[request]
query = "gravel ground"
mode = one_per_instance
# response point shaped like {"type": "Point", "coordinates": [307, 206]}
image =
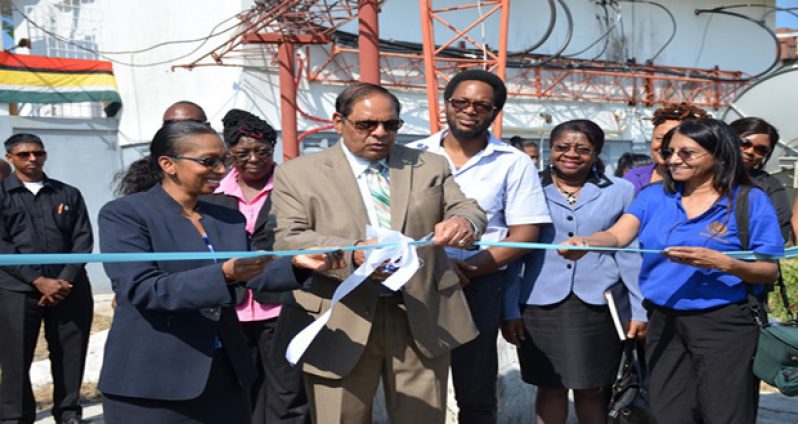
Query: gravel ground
{"type": "Point", "coordinates": [516, 397]}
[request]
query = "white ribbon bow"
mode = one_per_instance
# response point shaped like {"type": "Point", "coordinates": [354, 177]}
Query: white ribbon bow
{"type": "Point", "coordinates": [401, 255]}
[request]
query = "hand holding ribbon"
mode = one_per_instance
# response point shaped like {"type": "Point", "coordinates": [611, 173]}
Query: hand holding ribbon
{"type": "Point", "coordinates": [399, 252]}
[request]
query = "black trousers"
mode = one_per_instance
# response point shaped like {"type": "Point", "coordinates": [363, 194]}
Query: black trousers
{"type": "Point", "coordinates": [278, 395]}
{"type": "Point", "coordinates": [66, 328]}
{"type": "Point", "coordinates": [475, 364]}
{"type": "Point", "coordinates": [700, 365]}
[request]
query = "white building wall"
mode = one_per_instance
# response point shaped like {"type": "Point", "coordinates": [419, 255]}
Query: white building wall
{"type": "Point", "coordinates": [701, 41]}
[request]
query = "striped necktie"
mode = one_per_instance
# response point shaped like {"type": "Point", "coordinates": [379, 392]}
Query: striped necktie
{"type": "Point", "coordinates": [381, 193]}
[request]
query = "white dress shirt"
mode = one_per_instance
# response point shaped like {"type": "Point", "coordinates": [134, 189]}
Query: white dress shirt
{"type": "Point", "coordinates": [503, 180]}
{"type": "Point", "coordinates": [359, 167]}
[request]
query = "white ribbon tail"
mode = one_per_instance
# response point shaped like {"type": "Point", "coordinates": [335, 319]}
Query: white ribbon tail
{"type": "Point", "coordinates": [401, 255]}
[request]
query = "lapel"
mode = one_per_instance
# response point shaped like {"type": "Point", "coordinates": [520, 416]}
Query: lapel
{"type": "Point", "coordinates": [185, 237]}
{"type": "Point", "coordinates": [263, 215]}
{"type": "Point", "coordinates": [401, 175]}
{"type": "Point", "coordinates": [590, 191]}
{"type": "Point", "coordinates": [340, 174]}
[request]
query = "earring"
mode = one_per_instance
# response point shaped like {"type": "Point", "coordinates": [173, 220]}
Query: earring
{"type": "Point", "coordinates": [594, 170]}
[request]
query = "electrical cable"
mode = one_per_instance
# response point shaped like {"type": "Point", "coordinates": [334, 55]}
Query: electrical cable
{"type": "Point", "coordinates": [184, 41]}
{"type": "Point", "coordinates": [774, 9]}
{"type": "Point", "coordinates": [546, 34]}
{"type": "Point", "coordinates": [598, 40]}
{"type": "Point", "coordinates": [674, 26]}
{"type": "Point", "coordinates": [565, 43]}
{"type": "Point", "coordinates": [722, 11]}
{"type": "Point", "coordinates": [350, 40]}
{"type": "Point", "coordinates": [606, 40]}
{"type": "Point", "coordinates": [703, 42]}
{"type": "Point", "coordinates": [119, 62]}
{"type": "Point", "coordinates": [624, 41]}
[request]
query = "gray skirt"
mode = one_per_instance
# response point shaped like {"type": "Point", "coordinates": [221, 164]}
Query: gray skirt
{"type": "Point", "coordinates": [571, 345]}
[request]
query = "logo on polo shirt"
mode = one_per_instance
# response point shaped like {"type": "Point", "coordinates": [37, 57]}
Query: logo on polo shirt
{"type": "Point", "coordinates": [716, 230]}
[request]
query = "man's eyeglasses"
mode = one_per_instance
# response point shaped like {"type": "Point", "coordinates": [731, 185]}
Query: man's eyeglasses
{"type": "Point", "coordinates": [758, 148]}
{"type": "Point", "coordinates": [210, 162]}
{"type": "Point", "coordinates": [565, 148]}
{"type": "Point", "coordinates": [479, 107]}
{"type": "Point", "coordinates": [244, 155]}
{"type": "Point", "coordinates": [391, 125]}
{"type": "Point", "coordinates": [683, 154]}
{"type": "Point", "coordinates": [38, 154]}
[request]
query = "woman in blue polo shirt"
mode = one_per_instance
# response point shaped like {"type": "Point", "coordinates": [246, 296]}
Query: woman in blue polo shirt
{"type": "Point", "coordinates": [701, 335]}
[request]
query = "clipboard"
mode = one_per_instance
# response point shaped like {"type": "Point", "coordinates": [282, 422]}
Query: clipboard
{"type": "Point", "coordinates": [620, 309]}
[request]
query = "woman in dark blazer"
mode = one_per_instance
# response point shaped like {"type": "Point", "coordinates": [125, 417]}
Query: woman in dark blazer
{"type": "Point", "coordinates": [175, 351]}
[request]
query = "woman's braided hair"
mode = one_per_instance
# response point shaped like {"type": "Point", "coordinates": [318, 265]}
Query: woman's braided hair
{"type": "Point", "coordinates": [240, 123]}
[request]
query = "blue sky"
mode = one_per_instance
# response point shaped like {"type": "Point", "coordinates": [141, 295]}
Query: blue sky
{"type": "Point", "coordinates": [784, 19]}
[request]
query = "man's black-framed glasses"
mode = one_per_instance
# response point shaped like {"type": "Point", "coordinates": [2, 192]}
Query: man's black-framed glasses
{"type": "Point", "coordinates": [479, 106]}
{"type": "Point", "coordinates": [391, 125]}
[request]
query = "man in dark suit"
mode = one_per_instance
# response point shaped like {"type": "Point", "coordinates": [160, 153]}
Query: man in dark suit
{"type": "Point", "coordinates": [403, 337]}
{"type": "Point", "coordinates": [42, 215]}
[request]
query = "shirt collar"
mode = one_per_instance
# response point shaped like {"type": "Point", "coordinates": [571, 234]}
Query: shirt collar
{"type": "Point", "coordinates": [12, 182]}
{"type": "Point", "coordinates": [600, 181]}
{"type": "Point", "coordinates": [723, 201]}
{"type": "Point", "coordinates": [229, 186]}
{"type": "Point", "coordinates": [358, 164]}
{"type": "Point", "coordinates": [494, 145]}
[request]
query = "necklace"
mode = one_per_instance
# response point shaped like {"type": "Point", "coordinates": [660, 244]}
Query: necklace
{"type": "Point", "coordinates": [570, 196]}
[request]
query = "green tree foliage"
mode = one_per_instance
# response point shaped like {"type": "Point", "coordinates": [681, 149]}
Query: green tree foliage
{"type": "Point", "coordinates": [789, 271]}
{"type": "Point", "coordinates": [6, 16]}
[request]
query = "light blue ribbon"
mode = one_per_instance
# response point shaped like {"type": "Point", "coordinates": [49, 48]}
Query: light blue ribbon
{"type": "Point", "coordinates": [17, 259]}
{"type": "Point", "coordinates": [748, 255]}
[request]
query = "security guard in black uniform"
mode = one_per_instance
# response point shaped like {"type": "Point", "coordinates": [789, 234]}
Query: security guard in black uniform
{"type": "Point", "coordinates": [42, 215]}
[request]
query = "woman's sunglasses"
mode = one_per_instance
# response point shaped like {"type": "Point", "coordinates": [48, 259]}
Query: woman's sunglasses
{"type": "Point", "coordinates": [758, 148]}
{"type": "Point", "coordinates": [683, 154]}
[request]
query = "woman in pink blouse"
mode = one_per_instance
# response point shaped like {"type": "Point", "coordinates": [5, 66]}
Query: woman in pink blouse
{"type": "Point", "coordinates": [277, 395]}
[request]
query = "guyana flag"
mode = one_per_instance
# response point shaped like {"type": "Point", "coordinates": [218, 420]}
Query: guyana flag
{"type": "Point", "coordinates": [42, 79]}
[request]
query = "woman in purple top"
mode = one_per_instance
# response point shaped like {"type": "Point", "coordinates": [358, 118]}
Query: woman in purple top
{"type": "Point", "coordinates": [664, 119]}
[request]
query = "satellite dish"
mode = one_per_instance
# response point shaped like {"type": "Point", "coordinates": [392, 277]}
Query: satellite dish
{"type": "Point", "coordinates": [773, 98]}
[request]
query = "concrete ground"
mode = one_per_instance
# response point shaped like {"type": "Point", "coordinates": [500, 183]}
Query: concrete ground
{"type": "Point", "coordinates": [516, 397]}
{"type": "Point", "coordinates": [774, 409]}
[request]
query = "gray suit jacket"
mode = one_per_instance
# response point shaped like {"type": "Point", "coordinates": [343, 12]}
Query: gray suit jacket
{"type": "Point", "coordinates": [316, 202]}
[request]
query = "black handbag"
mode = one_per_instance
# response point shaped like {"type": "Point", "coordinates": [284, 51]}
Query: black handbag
{"type": "Point", "coordinates": [629, 398]}
{"type": "Point", "coordinates": [776, 358]}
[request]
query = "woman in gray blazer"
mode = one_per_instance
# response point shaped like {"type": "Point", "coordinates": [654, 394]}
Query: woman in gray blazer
{"type": "Point", "coordinates": [557, 315]}
{"type": "Point", "coordinates": [175, 351]}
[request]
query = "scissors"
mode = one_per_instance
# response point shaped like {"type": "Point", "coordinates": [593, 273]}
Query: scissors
{"type": "Point", "coordinates": [389, 268]}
